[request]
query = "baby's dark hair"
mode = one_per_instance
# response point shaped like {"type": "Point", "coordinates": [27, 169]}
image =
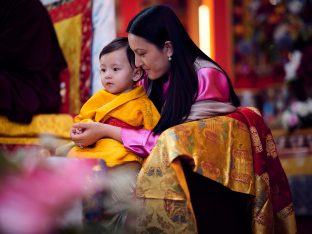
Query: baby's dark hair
{"type": "Point", "coordinates": [116, 44]}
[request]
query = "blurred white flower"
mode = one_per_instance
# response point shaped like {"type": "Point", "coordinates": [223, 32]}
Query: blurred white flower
{"type": "Point", "coordinates": [309, 105]}
{"type": "Point", "coordinates": [295, 6]}
{"type": "Point", "coordinates": [300, 108]}
{"type": "Point", "coordinates": [296, 114]}
{"type": "Point", "coordinates": [289, 119]}
{"type": "Point", "coordinates": [292, 66]}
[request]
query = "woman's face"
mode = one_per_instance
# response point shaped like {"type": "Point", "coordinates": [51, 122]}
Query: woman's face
{"type": "Point", "coordinates": [153, 60]}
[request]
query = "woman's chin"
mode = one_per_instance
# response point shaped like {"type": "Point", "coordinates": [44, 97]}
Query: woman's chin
{"type": "Point", "coordinates": [152, 76]}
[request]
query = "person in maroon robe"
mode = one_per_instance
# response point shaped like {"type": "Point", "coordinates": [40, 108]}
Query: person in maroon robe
{"type": "Point", "coordinates": [31, 61]}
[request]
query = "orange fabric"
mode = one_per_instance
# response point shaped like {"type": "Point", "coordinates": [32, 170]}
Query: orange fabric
{"type": "Point", "coordinates": [132, 108]}
{"type": "Point", "coordinates": [57, 125]}
{"type": "Point", "coordinates": [46, 131]}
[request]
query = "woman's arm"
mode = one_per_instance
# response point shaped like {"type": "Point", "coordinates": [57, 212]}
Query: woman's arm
{"type": "Point", "coordinates": [139, 141]}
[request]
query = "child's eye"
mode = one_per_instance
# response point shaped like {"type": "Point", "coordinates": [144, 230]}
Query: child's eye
{"type": "Point", "coordinates": [116, 69]}
{"type": "Point", "coordinates": [103, 70]}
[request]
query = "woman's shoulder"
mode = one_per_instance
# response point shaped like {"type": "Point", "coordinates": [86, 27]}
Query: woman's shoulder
{"type": "Point", "coordinates": [208, 72]}
{"type": "Point", "coordinates": [201, 63]}
{"type": "Point", "coordinates": [212, 82]}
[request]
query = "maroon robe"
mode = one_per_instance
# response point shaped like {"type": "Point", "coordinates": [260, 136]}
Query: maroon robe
{"type": "Point", "coordinates": [30, 61]}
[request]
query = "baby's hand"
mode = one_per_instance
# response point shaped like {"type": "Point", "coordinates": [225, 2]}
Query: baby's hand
{"type": "Point", "coordinates": [77, 131]}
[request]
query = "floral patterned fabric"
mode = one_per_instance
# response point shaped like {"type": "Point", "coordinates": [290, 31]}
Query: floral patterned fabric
{"type": "Point", "coordinates": [230, 150]}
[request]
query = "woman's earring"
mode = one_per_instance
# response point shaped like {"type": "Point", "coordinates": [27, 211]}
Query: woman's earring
{"type": "Point", "coordinates": [169, 58]}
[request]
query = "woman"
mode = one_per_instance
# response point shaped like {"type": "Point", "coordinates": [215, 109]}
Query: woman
{"type": "Point", "coordinates": [186, 85]}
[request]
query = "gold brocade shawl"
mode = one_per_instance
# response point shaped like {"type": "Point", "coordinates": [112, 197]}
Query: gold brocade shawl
{"type": "Point", "coordinates": [220, 148]}
{"type": "Point", "coordinates": [133, 108]}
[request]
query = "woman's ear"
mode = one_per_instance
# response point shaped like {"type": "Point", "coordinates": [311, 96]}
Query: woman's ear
{"type": "Point", "coordinates": [168, 48]}
{"type": "Point", "coordinates": [137, 74]}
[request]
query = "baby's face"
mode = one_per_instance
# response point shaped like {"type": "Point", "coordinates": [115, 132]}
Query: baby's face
{"type": "Point", "coordinates": [116, 72]}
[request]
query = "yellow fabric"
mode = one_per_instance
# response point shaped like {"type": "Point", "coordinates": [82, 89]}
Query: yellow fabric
{"type": "Point", "coordinates": [133, 108]}
{"type": "Point", "coordinates": [30, 141]}
{"type": "Point", "coordinates": [177, 167]}
{"type": "Point", "coordinates": [19, 140]}
{"type": "Point", "coordinates": [45, 132]}
{"type": "Point", "coordinates": [165, 216]}
{"type": "Point", "coordinates": [58, 125]}
{"type": "Point", "coordinates": [71, 47]}
{"type": "Point", "coordinates": [159, 180]}
{"type": "Point", "coordinates": [220, 148]}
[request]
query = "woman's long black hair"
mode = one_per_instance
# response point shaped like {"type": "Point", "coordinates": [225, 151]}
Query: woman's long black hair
{"type": "Point", "coordinates": [158, 24]}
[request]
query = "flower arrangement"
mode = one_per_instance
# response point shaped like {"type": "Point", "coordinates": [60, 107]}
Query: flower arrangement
{"type": "Point", "coordinates": [298, 115]}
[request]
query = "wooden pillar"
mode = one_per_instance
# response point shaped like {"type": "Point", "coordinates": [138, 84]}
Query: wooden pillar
{"type": "Point", "coordinates": [223, 35]}
{"type": "Point", "coordinates": [192, 16]}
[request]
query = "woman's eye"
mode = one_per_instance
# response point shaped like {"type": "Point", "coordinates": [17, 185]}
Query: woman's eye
{"type": "Point", "coordinates": [140, 54]}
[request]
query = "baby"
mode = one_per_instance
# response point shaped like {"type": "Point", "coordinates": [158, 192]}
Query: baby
{"type": "Point", "coordinates": [121, 103]}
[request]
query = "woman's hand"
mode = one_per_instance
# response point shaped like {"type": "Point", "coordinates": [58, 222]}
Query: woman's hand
{"type": "Point", "coordinates": [85, 134]}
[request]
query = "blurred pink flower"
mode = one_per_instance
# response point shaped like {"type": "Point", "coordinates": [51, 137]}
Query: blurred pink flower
{"type": "Point", "coordinates": [293, 120]}
{"type": "Point", "coordinates": [32, 200]}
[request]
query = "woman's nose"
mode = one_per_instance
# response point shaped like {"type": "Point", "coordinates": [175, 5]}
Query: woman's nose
{"type": "Point", "coordinates": [138, 61]}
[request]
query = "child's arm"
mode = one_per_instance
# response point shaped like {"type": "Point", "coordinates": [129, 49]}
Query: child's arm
{"type": "Point", "coordinates": [139, 141]}
{"type": "Point", "coordinates": [93, 131]}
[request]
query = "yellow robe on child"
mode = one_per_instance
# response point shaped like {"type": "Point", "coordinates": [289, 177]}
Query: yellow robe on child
{"type": "Point", "coordinates": [133, 108]}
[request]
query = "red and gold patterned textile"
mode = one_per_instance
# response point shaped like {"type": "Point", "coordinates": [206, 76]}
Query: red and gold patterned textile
{"type": "Point", "coordinates": [72, 21]}
{"type": "Point", "coordinates": [236, 151]}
